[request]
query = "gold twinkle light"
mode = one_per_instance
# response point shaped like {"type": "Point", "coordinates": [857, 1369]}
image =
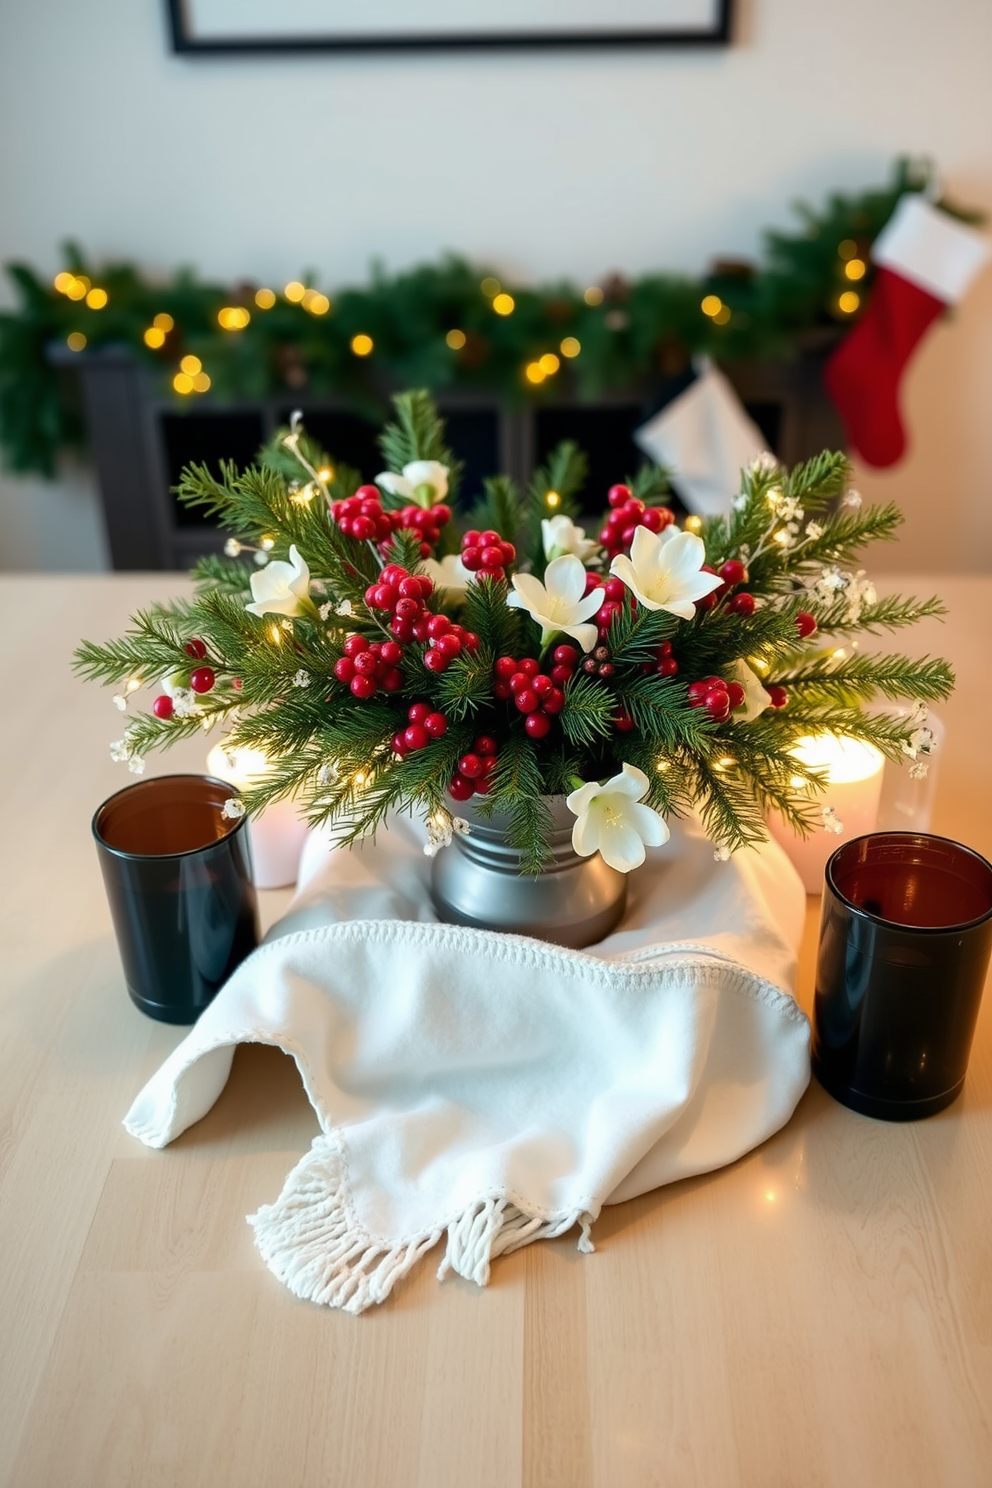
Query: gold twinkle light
{"type": "Point", "coordinates": [552, 499]}
{"type": "Point", "coordinates": [362, 345]}
{"type": "Point", "coordinates": [549, 364]}
{"type": "Point", "coordinates": [233, 318]}
{"type": "Point", "coordinates": [75, 341]}
{"type": "Point", "coordinates": [711, 305]}
{"type": "Point", "coordinates": [535, 373]}
{"type": "Point", "coordinates": [570, 347]}
{"type": "Point", "coordinates": [490, 287]}
{"type": "Point", "coordinates": [163, 322]}
{"type": "Point", "coordinates": [62, 281]}
{"type": "Point", "coordinates": [455, 339]}
{"type": "Point", "coordinates": [294, 291]}
{"type": "Point", "coordinates": [504, 304]}
{"type": "Point", "coordinates": [594, 295]}
{"type": "Point", "coordinates": [848, 302]}
{"type": "Point", "coordinates": [78, 288]}
{"type": "Point", "coordinates": [97, 299]}
{"type": "Point", "coordinates": [264, 299]}
{"type": "Point", "coordinates": [855, 268]}
{"type": "Point", "coordinates": [154, 338]}
{"type": "Point", "coordinates": [191, 365]}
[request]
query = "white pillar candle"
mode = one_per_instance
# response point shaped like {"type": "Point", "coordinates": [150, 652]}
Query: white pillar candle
{"type": "Point", "coordinates": [850, 801]}
{"type": "Point", "coordinates": [278, 833]}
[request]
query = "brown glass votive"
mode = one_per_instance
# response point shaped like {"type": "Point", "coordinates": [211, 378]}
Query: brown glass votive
{"type": "Point", "coordinates": [905, 941]}
{"type": "Point", "coordinates": [178, 877]}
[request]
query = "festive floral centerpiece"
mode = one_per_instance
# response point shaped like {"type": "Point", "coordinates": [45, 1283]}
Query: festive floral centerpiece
{"type": "Point", "coordinates": [384, 654]}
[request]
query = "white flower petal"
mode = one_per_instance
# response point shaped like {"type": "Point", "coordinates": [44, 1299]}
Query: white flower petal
{"type": "Point", "coordinates": [428, 473]}
{"type": "Point", "coordinates": [529, 593]}
{"type": "Point", "coordinates": [653, 830]}
{"type": "Point", "coordinates": [585, 835]}
{"type": "Point", "coordinates": [630, 782]}
{"type": "Point", "coordinates": [396, 485]}
{"type": "Point", "coordinates": [586, 635]}
{"type": "Point", "coordinates": [620, 846]}
{"type": "Point", "coordinates": [565, 580]}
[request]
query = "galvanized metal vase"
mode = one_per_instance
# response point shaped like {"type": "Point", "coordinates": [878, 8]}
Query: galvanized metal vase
{"type": "Point", "coordinates": [477, 881]}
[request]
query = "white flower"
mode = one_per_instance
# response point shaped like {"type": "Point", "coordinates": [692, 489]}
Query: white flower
{"type": "Point", "coordinates": [664, 570]}
{"type": "Point", "coordinates": [814, 531]}
{"type": "Point", "coordinates": [560, 603]}
{"type": "Point", "coordinates": [302, 678]}
{"type": "Point", "coordinates": [560, 535]}
{"type": "Point", "coordinates": [424, 482]}
{"type": "Point", "coordinates": [233, 809]}
{"type": "Point", "coordinates": [450, 573]}
{"type": "Point", "coordinates": [852, 499]}
{"type": "Point", "coordinates": [120, 702]}
{"type": "Point", "coordinates": [831, 821]}
{"type": "Point", "coordinates": [281, 587]}
{"type": "Point", "coordinates": [609, 818]}
{"type": "Point", "coordinates": [440, 828]}
{"type": "Point", "coordinates": [756, 699]}
{"type": "Point", "coordinates": [764, 463]}
{"type": "Point", "coordinates": [232, 547]}
{"type": "Point", "coordinates": [136, 764]}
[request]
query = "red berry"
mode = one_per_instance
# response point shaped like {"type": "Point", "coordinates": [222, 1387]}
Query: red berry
{"type": "Point", "coordinates": [619, 495]}
{"type": "Point", "coordinates": [623, 721]}
{"type": "Point", "coordinates": [410, 588]}
{"type": "Point", "coordinates": [449, 646]}
{"type": "Point", "coordinates": [436, 725]}
{"type": "Point", "coordinates": [736, 694]}
{"type": "Point", "coordinates": [606, 669]}
{"type": "Point", "coordinates": [441, 513]}
{"type": "Point", "coordinates": [391, 680]}
{"type": "Point", "coordinates": [669, 667]}
{"type": "Point", "coordinates": [554, 702]}
{"type": "Point", "coordinates": [527, 700]}
{"type": "Point", "coordinates": [472, 558]}
{"type": "Point", "coordinates": [196, 649]}
{"type": "Point", "coordinates": [501, 689]}
{"type": "Point", "coordinates": [366, 663]}
{"type": "Point", "coordinates": [717, 704]}
{"type": "Point", "coordinates": [508, 552]}
{"type": "Point", "coordinates": [162, 707]}
{"type": "Point", "coordinates": [384, 596]}
{"type": "Point", "coordinates": [778, 695]}
{"type": "Point", "coordinates": [742, 604]}
{"type": "Point", "coordinates": [362, 687]}
{"type": "Point", "coordinates": [697, 692]}
{"type": "Point", "coordinates": [401, 629]}
{"type": "Point", "coordinates": [367, 493]}
{"type": "Point", "coordinates": [420, 628]}
{"type": "Point", "coordinates": [805, 624]}
{"type": "Point", "coordinates": [391, 653]}
{"type": "Point", "coordinates": [461, 789]}
{"type": "Point", "coordinates": [566, 656]}
{"type": "Point", "coordinates": [418, 712]}
{"type": "Point", "coordinates": [363, 528]}
{"type": "Point", "coordinates": [201, 679]}
{"type": "Point", "coordinates": [529, 666]}
{"type": "Point", "coordinates": [237, 683]}
{"type": "Point", "coordinates": [492, 557]}
{"type": "Point", "coordinates": [560, 675]}
{"type": "Point", "coordinates": [344, 669]}
{"type": "Point", "coordinates": [542, 685]}
{"type": "Point", "coordinates": [393, 574]}
{"type": "Point", "coordinates": [615, 589]}
{"type": "Point", "coordinates": [489, 538]}
{"type": "Point", "coordinates": [354, 645]}
{"type": "Point", "coordinates": [438, 625]}
{"type": "Point", "coordinates": [408, 609]}
{"type": "Point", "coordinates": [399, 745]}
{"type": "Point", "coordinates": [537, 725]}
{"type": "Point", "coordinates": [470, 766]}
{"type": "Point", "coordinates": [415, 736]}
{"type": "Point", "coordinates": [505, 667]}
{"type": "Point", "coordinates": [733, 571]}
{"type": "Point", "coordinates": [519, 681]}
{"type": "Point", "coordinates": [472, 539]}
{"type": "Point", "coordinates": [436, 661]}
{"type": "Point", "coordinates": [471, 641]}
{"type": "Point", "coordinates": [485, 745]}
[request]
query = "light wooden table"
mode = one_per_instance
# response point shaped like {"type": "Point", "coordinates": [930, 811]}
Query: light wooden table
{"type": "Point", "coordinates": [818, 1314]}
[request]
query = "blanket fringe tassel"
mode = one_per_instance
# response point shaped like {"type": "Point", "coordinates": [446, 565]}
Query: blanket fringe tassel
{"type": "Point", "coordinates": [311, 1239]}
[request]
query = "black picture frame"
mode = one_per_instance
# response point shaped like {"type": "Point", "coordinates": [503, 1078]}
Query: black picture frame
{"type": "Point", "coordinates": [185, 42]}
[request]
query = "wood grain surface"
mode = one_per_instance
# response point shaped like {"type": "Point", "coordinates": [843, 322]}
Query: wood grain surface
{"type": "Point", "coordinates": [820, 1313]}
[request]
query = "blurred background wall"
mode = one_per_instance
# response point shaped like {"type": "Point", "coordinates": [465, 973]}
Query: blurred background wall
{"type": "Point", "coordinates": [542, 164]}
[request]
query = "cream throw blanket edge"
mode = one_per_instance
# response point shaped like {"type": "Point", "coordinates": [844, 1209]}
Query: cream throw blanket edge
{"type": "Point", "coordinates": [494, 1087]}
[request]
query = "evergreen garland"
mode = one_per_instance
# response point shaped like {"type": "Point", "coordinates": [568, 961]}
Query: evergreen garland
{"type": "Point", "coordinates": [276, 681]}
{"type": "Point", "coordinates": [435, 326]}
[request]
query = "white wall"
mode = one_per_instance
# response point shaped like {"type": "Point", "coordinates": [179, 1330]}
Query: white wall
{"type": "Point", "coordinates": [543, 164]}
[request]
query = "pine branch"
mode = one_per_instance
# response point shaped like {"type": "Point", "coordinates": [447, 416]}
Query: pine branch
{"type": "Point", "coordinates": [816, 482]}
{"type": "Point", "coordinates": [861, 677]}
{"type": "Point", "coordinates": [517, 788]}
{"type": "Point", "coordinates": [418, 433]}
{"type": "Point", "coordinates": [588, 713]}
{"type": "Point", "coordinates": [152, 648]}
{"type": "Point", "coordinates": [890, 613]}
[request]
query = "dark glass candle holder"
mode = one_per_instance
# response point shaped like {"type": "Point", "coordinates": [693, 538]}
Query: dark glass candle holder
{"type": "Point", "coordinates": [178, 877]}
{"type": "Point", "coordinates": [905, 942]}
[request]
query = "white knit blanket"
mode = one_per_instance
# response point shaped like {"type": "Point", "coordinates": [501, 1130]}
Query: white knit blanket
{"type": "Point", "coordinates": [491, 1088]}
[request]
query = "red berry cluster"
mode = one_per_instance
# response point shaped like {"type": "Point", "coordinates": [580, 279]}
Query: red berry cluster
{"type": "Point", "coordinates": [733, 573]}
{"type": "Point", "coordinates": [367, 666]}
{"type": "Point", "coordinates": [361, 516]}
{"type": "Point", "coordinates": [664, 664]}
{"type": "Point", "coordinates": [447, 640]}
{"type": "Point", "coordinates": [627, 513]}
{"type": "Point", "coordinates": [613, 597]}
{"type": "Point", "coordinates": [474, 770]}
{"type": "Point", "coordinates": [535, 694]}
{"type": "Point", "coordinates": [423, 725]}
{"type": "Point", "coordinates": [427, 520]}
{"type": "Point", "coordinates": [718, 697]}
{"type": "Point", "coordinates": [486, 554]}
{"type": "Point", "coordinates": [401, 594]}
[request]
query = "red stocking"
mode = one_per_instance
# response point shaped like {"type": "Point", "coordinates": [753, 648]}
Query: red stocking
{"type": "Point", "coordinates": [926, 260]}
